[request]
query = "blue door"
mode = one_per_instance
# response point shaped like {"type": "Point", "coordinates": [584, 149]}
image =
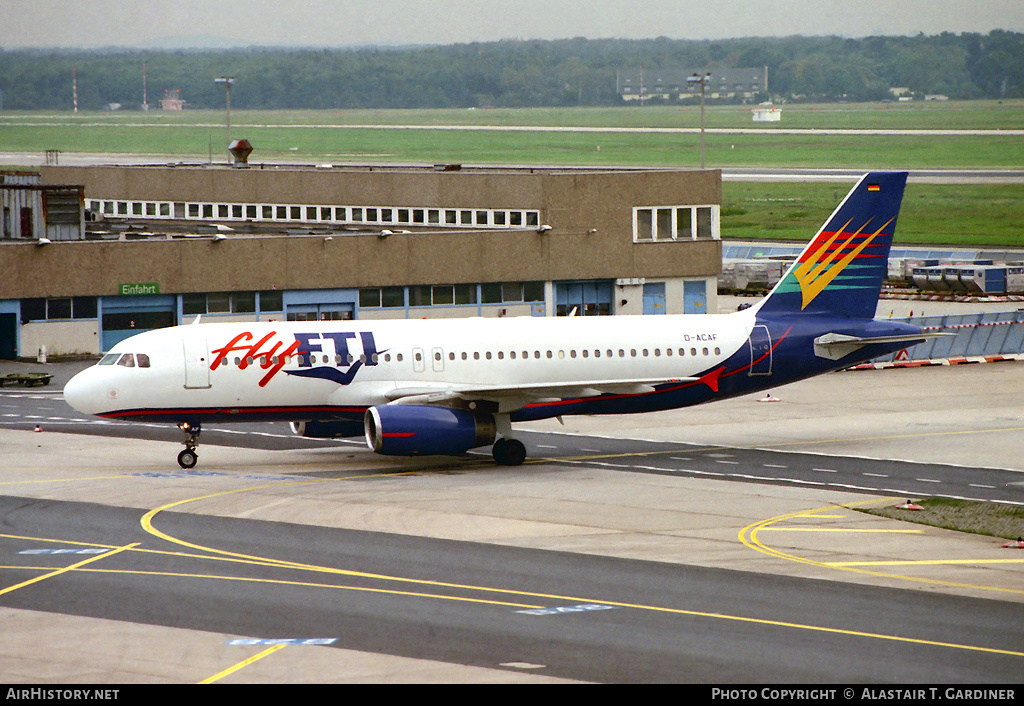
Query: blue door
{"type": "Point", "coordinates": [654, 298]}
{"type": "Point", "coordinates": [695, 298]}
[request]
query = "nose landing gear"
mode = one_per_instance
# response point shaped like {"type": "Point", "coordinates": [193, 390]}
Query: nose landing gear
{"type": "Point", "coordinates": [188, 458]}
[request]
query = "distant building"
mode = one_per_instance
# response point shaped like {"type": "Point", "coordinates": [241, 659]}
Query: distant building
{"type": "Point", "coordinates": [172, 101]}
{"type": "Point", "coordinates": [671, 85]}
{"type": "Point", "coordinates": [767, 113]}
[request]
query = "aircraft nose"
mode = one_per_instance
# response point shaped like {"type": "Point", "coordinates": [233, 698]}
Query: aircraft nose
{"type": "Point", "coordinates": [84, 392]}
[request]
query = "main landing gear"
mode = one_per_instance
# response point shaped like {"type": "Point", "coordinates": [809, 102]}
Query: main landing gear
{"type": "Point", "coordinates": [508, 452]}
{"type": "Point", "coordinates": [188, 458]}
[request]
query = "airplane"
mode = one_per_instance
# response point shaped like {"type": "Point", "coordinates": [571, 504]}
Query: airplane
{"type": "Point", "coordinates": [445, 386]}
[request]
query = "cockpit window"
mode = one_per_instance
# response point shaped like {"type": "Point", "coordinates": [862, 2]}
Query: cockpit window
{"type": "Point", "coordinates": [127, 360]}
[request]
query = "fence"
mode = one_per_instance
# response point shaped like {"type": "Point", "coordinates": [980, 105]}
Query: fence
{"type": "Point", "coordinates": [974, 335]}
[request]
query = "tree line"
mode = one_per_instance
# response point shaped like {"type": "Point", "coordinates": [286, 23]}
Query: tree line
{"type": "Point", "coordinates": [510, 73]}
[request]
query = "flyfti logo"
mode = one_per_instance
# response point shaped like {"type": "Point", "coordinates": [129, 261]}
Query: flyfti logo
{"type": "Point", "coordinates": [335, 356]}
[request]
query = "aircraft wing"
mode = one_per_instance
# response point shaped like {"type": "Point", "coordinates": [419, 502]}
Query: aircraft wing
{"type": "Point", "coordinates": [513, 396]}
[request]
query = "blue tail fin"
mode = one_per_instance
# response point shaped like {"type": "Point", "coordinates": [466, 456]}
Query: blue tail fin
{"type": "Point", "coordinates": [841, 270]}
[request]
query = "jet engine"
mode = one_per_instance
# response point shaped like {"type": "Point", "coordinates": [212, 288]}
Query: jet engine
{"type": "Point", "coordinates": [415, 430]}
{"type": "Point", "coordinates": [327, 429]}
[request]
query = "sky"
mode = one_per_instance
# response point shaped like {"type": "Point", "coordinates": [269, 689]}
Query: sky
{"type": "Point", "coordinates": [342, 23]}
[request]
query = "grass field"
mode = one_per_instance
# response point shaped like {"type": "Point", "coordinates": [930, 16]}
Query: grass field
{"type": "Point", "coordinates": [319, 144]}
{"type": "Point", "coordinates": [991, 519]}
{"type": "Point", "coordinates": [969, 215]}
{"type": "Point", "coordinates": [327, 135]}
{"type": "Point", "coordinates": [959, 215]}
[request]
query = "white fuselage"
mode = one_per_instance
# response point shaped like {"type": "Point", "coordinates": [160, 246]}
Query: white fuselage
{"type": "Point", "coordinates": [303, 368]}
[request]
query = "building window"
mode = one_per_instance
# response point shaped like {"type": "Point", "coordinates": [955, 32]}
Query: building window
{"type": "Point", "coordinates": [58, 308]}
{"type": "Point", "coordinates": [387, 297]}
{"type": "Point", "coordinates": [465, 217]}
{"type": "Point", "coordinates": [271, 301]}
{"type": "Point", "coordinates": [229, 303]}
{"type": "Point", "coordinates": [668, 223]}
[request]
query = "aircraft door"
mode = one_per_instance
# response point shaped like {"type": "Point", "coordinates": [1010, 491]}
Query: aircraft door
{"type": "Point", "coordinates": [760, 351]}
{"type": "Point", "coordinates": [417, 360]}
{"type": "Point", "coordinates": [438, 357]}
{"type": "Point", "coordinates": [197, 362]}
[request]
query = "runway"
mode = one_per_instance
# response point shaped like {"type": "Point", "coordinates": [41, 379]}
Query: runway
{"type": "Point", "coordinates": [669, 548]}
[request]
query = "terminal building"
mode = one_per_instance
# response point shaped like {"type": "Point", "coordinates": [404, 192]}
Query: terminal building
{"type": "Point", "coordinates": [158, 245]}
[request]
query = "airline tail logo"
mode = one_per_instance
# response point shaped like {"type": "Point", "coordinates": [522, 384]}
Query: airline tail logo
{"type": "Point", "coordinates": [827, 261]}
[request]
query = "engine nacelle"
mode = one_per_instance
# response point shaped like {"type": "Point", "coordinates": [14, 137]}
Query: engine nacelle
{"type": "Point", "coordinates": [422, 430]}
{"type": "Point", "coordinates": [327, 429]}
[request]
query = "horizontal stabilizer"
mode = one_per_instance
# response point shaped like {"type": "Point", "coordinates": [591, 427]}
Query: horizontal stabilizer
{"type": "Point", "coordinates": [835, 346]}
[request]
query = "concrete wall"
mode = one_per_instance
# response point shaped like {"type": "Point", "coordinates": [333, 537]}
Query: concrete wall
{"type": "Point", "coordinates": [84, 268]}
{"type": "Point", "coordinates": [60, 338]}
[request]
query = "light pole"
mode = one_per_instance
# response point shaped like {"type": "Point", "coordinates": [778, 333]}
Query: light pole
{"type": "Point", "coordinates": [227, 81]}
{"type": "Point", "coordinates": [703, 81]}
